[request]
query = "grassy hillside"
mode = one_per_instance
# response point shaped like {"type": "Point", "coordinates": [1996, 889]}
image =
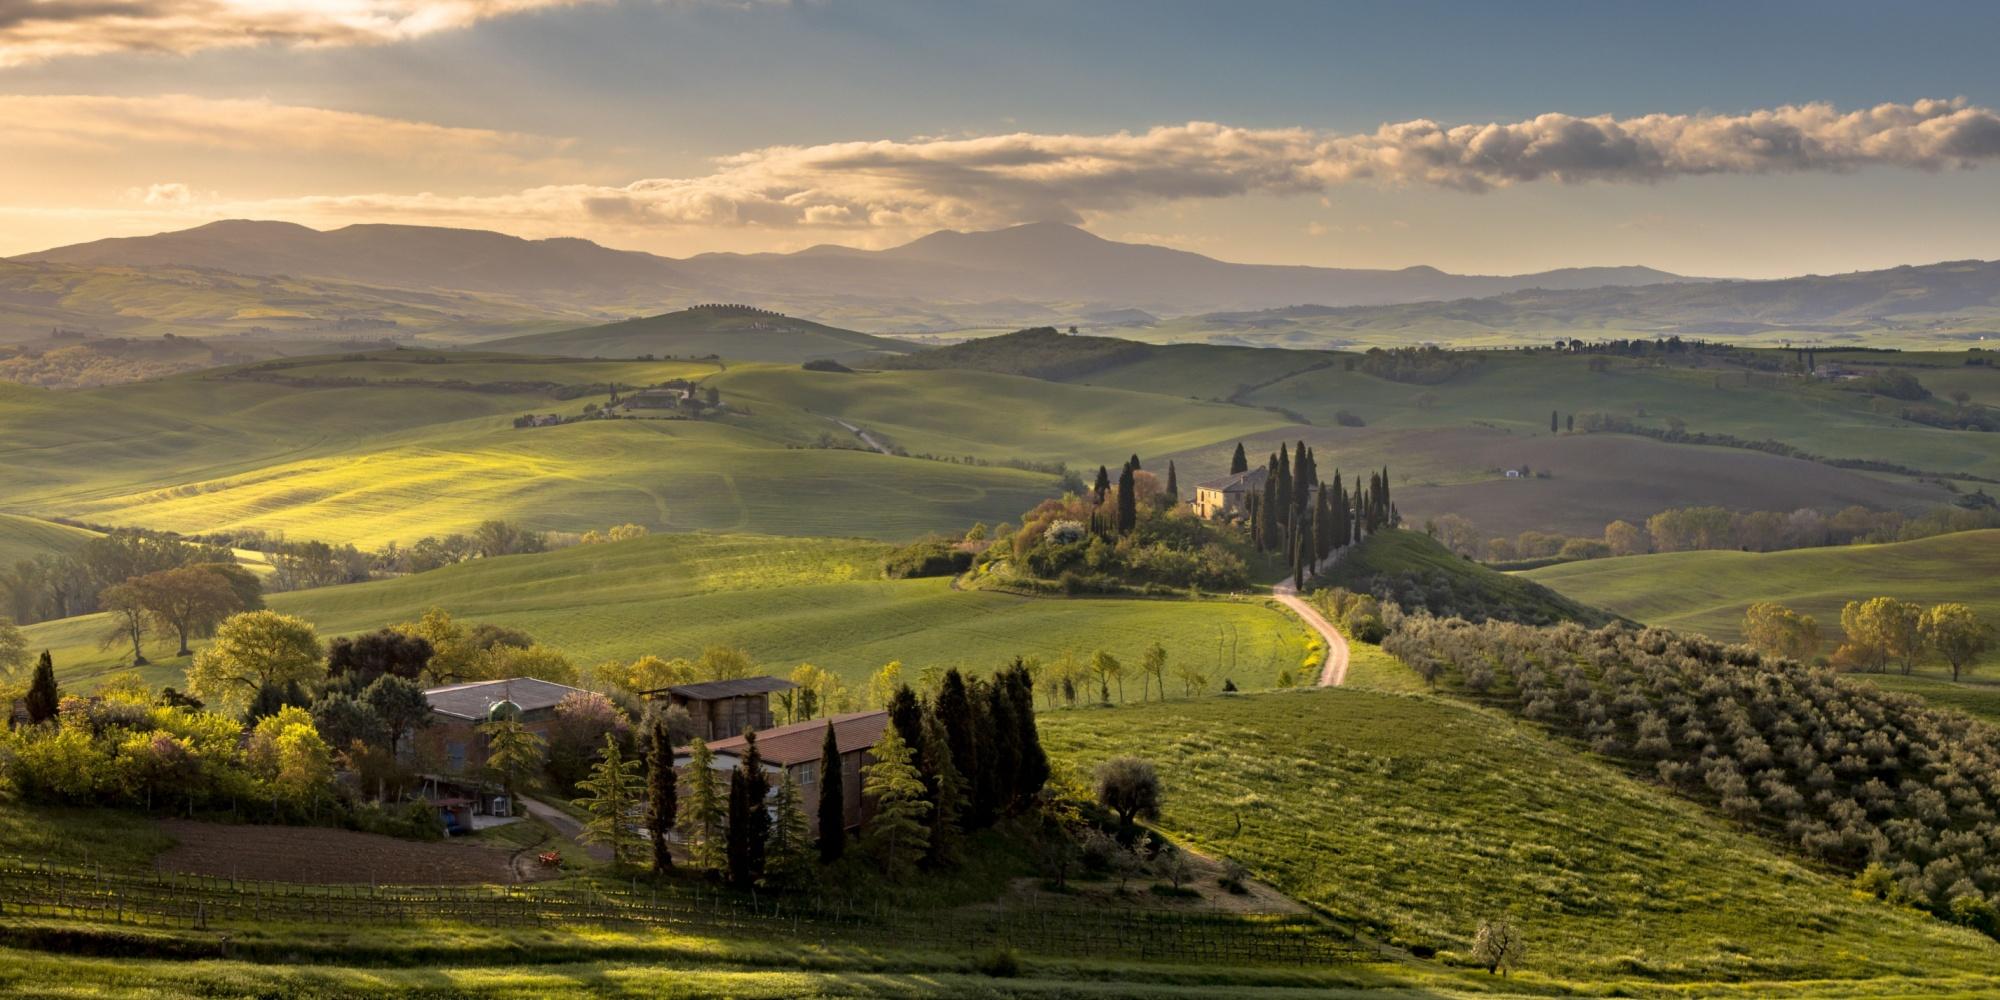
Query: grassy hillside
{"type": "Point", "coordinates": [27, 537]}
{"type": "Point", "coordinates": [787, 601]}
{"type": "Point", "coordinates": [1420, 573]}
{"type": "Point", "coordinates": [1709, 591]}
{"type": "Point", "coordinates": [738, 334]}
{"type": "Point", "coordinates": [424, 443]}
{"type": "Point", "coordinates": [1413, 818]}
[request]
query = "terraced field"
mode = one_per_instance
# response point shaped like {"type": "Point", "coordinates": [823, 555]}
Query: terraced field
{"type": "Point", "coordinates": [784, 600]}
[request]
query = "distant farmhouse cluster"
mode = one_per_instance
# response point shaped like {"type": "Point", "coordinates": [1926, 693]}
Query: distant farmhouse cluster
{"type": "Point", "coordinates": [674, 399]}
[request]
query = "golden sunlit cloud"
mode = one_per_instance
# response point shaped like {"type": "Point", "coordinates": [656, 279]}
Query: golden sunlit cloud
{"type": "Point", "coordinates": [1023, 177]}
{"type": "Point", "coordinates": [33, 31]}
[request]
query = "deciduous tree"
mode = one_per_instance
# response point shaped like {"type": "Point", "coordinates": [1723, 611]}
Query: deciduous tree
{"type": "Point", "coordinates": [1129, 787]}
{"type": "Point", "coordinates": [129, 620]}
{"type": "Point", "coordinates": [1780, 631]}
{"type": "Point", "coordinates": [187, 601]}
{"type": "Point", "coordinates": [251, 650]}
{"type": "Point", "coordinates": [1955, 632]}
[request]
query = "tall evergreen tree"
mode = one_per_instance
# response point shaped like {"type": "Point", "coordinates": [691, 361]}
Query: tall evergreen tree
{"type": "Point", "coordinates": [1308, 547]}
{"type": "Point", "coordinates": [1128, 502]}
{"type": "Point", "coordinates": [956, 710]}
{"type": "Point", "coordinates": [988, 788]}
{"type": "Point", "coordinates": [897, 832]}
{"type": "Point", "coordinates": [43, 696]}
{"type": "Point", "coordinates": [1034, 762]}
{"type": "Point", "coordinates": [1239, 462]}
{"type": "Point", "coordinates": [701, 823]}
{"type": "Point", "coordinates": [1132, 463]}
{"type": "Point", "coordinates": [1173, 486]}
{"type": "Point", "coordinates": [611, 798]}
{"type": "Point", "coordinates": [662, 797]}
{"type": "Point", "coordinates": [1284, 490]}
{"type": "Point", "coordinates": [906, 713]}
{"type": "Point", "coordinates": [1102, 486]}
{"type": "Point", "coordinates": [1254, 502]}
{"type": "Point", "coordinates": [788, 863]}
{"type": "Point", "coordinates": [736, 830]}
{"type": "Point", "coordinates": [1552, 421]}
{"type": "Point", "coordinates": [1005, 745]}
{"type": "Point", "coordinates": [832, 800]}
{"type": "Point", "coordinates": [1272, 516]}
{"type": "Point", "coordinates": [948, 795]}
{"type": "Point", "coordinates": [756, 813]}
{"type": "Point", "coordinates": [1387, 504]}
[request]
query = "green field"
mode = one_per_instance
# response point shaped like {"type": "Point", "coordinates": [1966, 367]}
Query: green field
{"type": "Point", "coordinates": [27, 537]}
{"type": "Point", "coordinates": [1412, 818]}
{"type": "Point", "coordinates": [786, 601]}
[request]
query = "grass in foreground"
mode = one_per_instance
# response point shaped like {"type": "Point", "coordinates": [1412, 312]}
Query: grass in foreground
{"type": "Point", "coordinates": [1414, 817]}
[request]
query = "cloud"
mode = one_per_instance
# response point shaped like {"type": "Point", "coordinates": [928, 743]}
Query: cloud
{"type": "Point", "coordinates": [33, 31]}
{"type": "Point", "coordinates": [173, 194]}
{"type": "Point", "coordinates": [1021, 177]}
{"type": "Point", "coordinates": [94, 125]}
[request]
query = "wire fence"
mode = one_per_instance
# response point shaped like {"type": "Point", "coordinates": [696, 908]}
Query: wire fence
{"type": "Point", "coordinates": [198, 902]}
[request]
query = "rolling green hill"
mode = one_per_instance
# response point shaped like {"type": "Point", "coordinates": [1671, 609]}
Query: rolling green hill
{"type": "Point", "coordinates": [1413, 818]}
{"type": "Point", "coordinates": [1421, 574]}
{"type": "Point", "coordinates": [785, 600]}
{"type": "Point", "coordinates": [1709, 591]}
{"type": "Point", "coordinates": [28, 537]}
{"type": "Point", "coordinates": [732, 332]}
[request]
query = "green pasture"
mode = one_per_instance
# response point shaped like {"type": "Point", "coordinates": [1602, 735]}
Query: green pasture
{"type": "Point", "coordinates": [27, 537]}
{"type": "Point", "coordinates": [786, 601]}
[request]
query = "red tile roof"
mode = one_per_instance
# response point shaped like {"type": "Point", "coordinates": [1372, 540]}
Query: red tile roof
{"type": "Point", "coordinates": [800, 742]}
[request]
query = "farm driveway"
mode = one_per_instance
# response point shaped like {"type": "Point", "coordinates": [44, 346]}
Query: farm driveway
{"type": "Point", "coordinates": [566, 825]}
{"type": "Point", "coordinates": [1334, 672]}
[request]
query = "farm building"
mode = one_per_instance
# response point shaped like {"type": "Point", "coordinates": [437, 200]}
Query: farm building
{"type": "Point", "coordinates": [1225, 497]}
{"type": "Point", "coordinates": [796, 748]}
{"type": "Point", "coordinates": [457, 710]}
{"type": "Point", "coordinates": [722, 709]}
{"type": "Point", "coordinates": [655, 399]}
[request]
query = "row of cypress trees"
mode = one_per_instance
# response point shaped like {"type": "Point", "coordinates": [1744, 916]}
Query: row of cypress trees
{"type": "Point", "coordinates": [1305, 518]}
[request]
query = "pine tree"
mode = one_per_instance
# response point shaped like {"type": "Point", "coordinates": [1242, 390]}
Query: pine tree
{"type": "Point", "coordinates": [513, 754]}
{"type": "Point", "coordinates": [1128, 502]}
{"type": "Point", "coordinates": [832, 801]}
{"type": "Point", "coordinates": [611, 797]}
{"type": "Point", "coordinates": [948, 791]}
{"type": "Point", "coordinates": [1240, 462]}
{"type": "Point", "coordinates": [701, 822]}
{"type": "Point", "coordinates": [43, 696]}
{"type": "Point", "coordinates": [788, 862]}
{"type": "Point", "coordinates": [662, 797]}
{"type": "Point", "coordinates": [896, 833]}
{"type": "Point", "coordinates": [1173, 486]}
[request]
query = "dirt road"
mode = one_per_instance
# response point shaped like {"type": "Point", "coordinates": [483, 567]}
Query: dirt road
{"type": "Point", "coordinates": [1334, 673]}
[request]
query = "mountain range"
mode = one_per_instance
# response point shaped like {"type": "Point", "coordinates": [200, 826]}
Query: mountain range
{"type": "Point", "coordinates": [1040, 271]}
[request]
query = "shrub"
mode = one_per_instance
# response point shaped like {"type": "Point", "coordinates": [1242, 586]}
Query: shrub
{"type": "Point", "coordinates": [998, 962]}
{"type": "Point", "coordinates": [928, 557]}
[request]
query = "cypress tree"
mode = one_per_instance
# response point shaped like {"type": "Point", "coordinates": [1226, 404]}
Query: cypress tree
{"type": "Point", "coordinates": [1239, 462]}
{"type": "Point", "coordinates": [1034, 762]}
{"type": "Point", "coordinates": [1006, 748]}
{"type": "Point", "coordinates": [756, 817]}
{"type": "Point", "coordinates": [955, 710]}
{"type": "Point", "coordinates": [701, 822]}
{"type": "Point", "coordinates": [736, 837]}
{"type": "Point", "coordinates": [1284, 492]}
{"type": "Point", "coordinates": [1308, 547]}
{"type": "Point", "coordinates": [1552, 421]}
{"type": "Point", "coordinates": [1102, 486]}
{"type": "Point", "coordinates": [662, 797]}
{"type": "Point", "coordinates": [1133, 463]}
{"type": "Point", "coordinates": [906, 713]}
{"type": "Point", "coordinates": [1385, 494]}
{"type": "Point", "coordinates": [1128, 502]}
{"type": "Point", "coordinates": [1173, 486]}
{"type": "Point", "coordinates": [948, 801]}
{"type": "Point", "coordinates": [988, 788]}
{"type": "Point", "coordinates": [43, 697]}
{"type": "Point", "coordinates": [1272, 525]}
{"type": "Point", "coordinates": [1256, 505]}
{"type": "Point", "coordinates": [832, 800]}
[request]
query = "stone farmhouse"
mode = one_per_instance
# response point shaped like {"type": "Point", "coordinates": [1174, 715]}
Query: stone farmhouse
{"type": "Point", "coordinates": [796, 749]}
{"type": "Point", "coordinates": [722, 709]}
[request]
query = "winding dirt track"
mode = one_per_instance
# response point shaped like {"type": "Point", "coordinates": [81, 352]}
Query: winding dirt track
{"type": "Point", "coordinates": [1334, 672]}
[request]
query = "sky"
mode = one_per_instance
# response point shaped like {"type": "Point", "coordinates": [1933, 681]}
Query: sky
{"type": "Point", "coordinates": [1723, 139]}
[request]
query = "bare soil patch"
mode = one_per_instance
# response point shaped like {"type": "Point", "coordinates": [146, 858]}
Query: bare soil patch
{"type": "Point", "coordinates": [322, 856]}
{"type": "Point", "coordinates": [1207, 883]}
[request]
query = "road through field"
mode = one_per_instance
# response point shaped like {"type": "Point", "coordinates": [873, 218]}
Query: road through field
{"type": "Point", "coordinates": [1334, 673]}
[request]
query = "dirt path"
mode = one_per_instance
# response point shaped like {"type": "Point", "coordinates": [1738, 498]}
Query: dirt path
{"type": "Point", "coordinates": [866, 438]}
{"type": "Point", "coordinates": [566, 825]}
{"type": "Point", "coordinates": [1334, 673]}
